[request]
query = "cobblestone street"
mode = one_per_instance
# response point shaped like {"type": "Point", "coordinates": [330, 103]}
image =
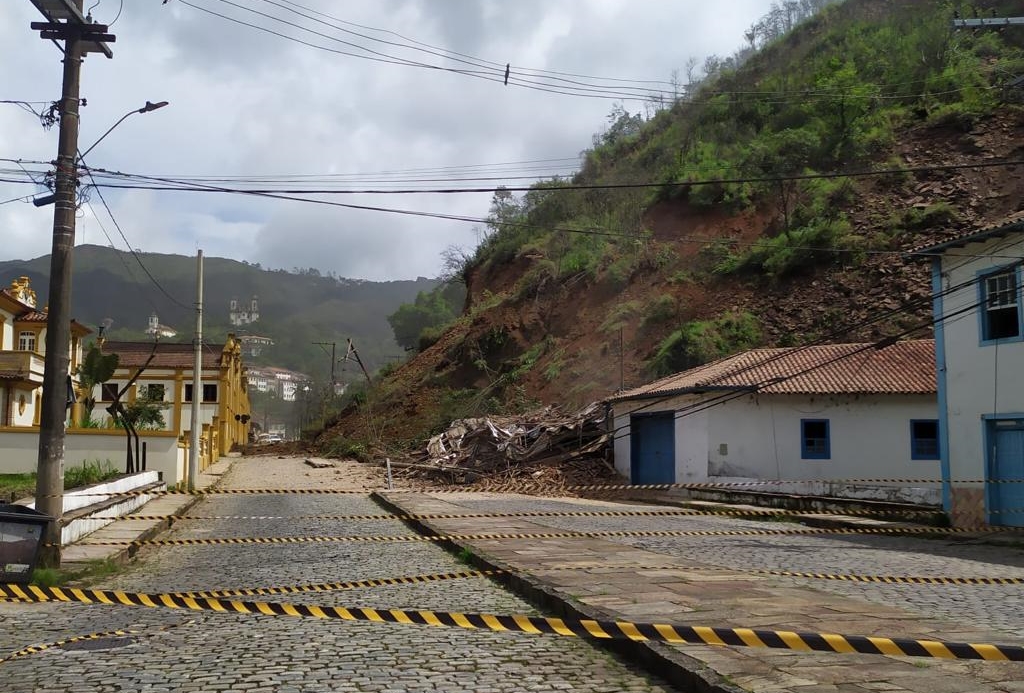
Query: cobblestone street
{"type": "Point", "coordinates": [200, 651]}
{"type": "Point", "coordinates": [167, 650]}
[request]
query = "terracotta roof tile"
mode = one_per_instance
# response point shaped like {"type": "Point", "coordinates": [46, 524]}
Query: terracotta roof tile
{"type": "Point", "coordinates": [902, 368]}
{"type": "Point", "coordinates": [1013, 223]}
{"type": "Point", "coordinates": [168, 354]}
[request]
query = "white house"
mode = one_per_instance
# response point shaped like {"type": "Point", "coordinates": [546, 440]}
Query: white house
{"type": "Point", "coordinates": [823, 413]}
{"type": "Point", "coordinates": [979, 335]}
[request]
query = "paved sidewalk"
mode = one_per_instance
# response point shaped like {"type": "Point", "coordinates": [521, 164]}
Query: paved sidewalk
{"type": "Point", "coordinates": [81, 553]}
{"type": "Point", "coordinates": [700, 594]}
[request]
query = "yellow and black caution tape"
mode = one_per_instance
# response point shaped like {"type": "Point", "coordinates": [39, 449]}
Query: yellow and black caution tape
{"type": "Point", "coordinates": [811, 531]}
{"type": "Point", "coordinates": [335, 586]}
{"type": "Point", "coordinates": [676, 512]}
{"type": "Point", "coordinates": [581, 487]}
{"type": "Point", "coordinates": [899, 579]}
{"type": "Point", "coordinates": [120, 633]}
{"type": "Point", "coordinates": [619, 630]}
{"type": "Point", "coordinates": [33, 649]}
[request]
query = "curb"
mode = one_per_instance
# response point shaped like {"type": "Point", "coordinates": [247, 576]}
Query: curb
{"type": "Point", "coordinates": [656, 658]}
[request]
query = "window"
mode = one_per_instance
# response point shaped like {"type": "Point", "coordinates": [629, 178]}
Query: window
{"type": "Point", "coordinates": [108, 392]}
{"type": "Point", "coordinates": [924, 439]}
{"type": "Point", "coordinates": [209, 392]}
{"type": "Point", "coordinates": [154, 393]}
{"type": "Point", "coordinates": [814, 441]}
{"type": "Point", "coordinates": [1000, 317]}
{"type": "Point", "coordinates": [27, 341]}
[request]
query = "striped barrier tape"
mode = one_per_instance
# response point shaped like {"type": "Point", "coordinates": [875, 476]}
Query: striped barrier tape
{"type": "Point", "coordinates": [120, 633]}
{"type": "Point", "coordinates": [583, 487]}
{"type": "Point", "coordinates": [899, 579]}
{"type": "Point", "coordinates": [33, 649]}
{"type": "Point", "coordinates": [619, 630]}
{"type": "Point", "coordinates": [535, 535]}
{"type": "Point", "coordinates": [336, 586]}
{"type": "Point", "coordinates": [773, 512]}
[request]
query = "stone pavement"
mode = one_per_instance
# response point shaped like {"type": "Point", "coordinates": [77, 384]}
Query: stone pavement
{"type": "Point", "coordinates": [202, 652]}
{"type": "Point", "coordinates": [713, 586]}
{"type": "Point", "coordinates": [82, 553]}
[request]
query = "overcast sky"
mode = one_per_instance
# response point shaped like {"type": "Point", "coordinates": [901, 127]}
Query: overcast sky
{"type": "Point", "coordinates": [247, 103]}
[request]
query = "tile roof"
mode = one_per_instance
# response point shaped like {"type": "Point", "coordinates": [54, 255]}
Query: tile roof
{"type": "Point", "coordinates": [168, 354]}
{"type": "Point", "coordinates": [902, 368]}
{"type": "Point", "coordinates": [1013, 223]}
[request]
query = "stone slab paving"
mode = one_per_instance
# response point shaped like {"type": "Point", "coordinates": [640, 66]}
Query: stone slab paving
{"type": "Point", "coordinates": [172, 650]}
{"type": "Point", "coordinates": [713, 586]}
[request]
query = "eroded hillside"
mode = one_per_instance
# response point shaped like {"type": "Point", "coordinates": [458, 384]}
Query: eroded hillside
{"type": "Point", "coordinates": [751, 240]}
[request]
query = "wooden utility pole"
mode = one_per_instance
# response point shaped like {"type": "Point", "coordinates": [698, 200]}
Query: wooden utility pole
{"type": "Point", "coordinates": [79, 37]}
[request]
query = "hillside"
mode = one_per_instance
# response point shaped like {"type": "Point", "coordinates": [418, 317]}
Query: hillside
{"type": "Point", "coordinates": [295, 309]}
{"type": "Point", "coordinates": [737, 217]}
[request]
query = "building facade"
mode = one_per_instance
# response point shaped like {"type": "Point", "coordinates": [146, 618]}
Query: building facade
{"type": "Point", "coordinates": [167, 380]}
{"type": "Point", "coordinates": [979, 334]}
{"type": "Point", "coordinates": [811, 417]}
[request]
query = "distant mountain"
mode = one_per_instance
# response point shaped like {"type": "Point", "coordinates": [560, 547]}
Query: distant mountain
{"type": "Point", "coordinates": [295, 309]}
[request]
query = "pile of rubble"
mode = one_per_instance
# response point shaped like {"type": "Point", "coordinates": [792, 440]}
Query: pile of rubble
{"type": "Point", "coordinates": [540, 452]}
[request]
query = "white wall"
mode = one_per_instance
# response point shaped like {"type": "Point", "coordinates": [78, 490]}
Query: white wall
{"type": "Point", "coordinates": [20, 451]}
{"type": "Point", "coordinates": [869, 437]}
{"type": "Point", "coordinates": [980, 379]}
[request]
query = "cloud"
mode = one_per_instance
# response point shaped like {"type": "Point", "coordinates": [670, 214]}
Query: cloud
{"type": "Point", "coordinates": [247, 103]}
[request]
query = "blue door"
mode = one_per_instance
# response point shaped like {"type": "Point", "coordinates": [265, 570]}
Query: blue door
{"type": "Point", "coordinates": [653, 448]}
{"type": "Point", "coordinates": [1006, 463]}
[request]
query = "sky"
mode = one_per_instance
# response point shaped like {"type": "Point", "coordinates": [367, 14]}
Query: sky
{"type": "Point", "coordinates": [247, 103]}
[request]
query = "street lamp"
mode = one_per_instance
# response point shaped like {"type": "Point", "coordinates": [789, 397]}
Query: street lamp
{"type": "Point", "coordinates": [150, 106]}
{"type": "Point", "coordinates": [57, 359]}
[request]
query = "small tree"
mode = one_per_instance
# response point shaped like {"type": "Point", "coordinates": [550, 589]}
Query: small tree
{"type": "Point", "coordinates": [96, 368]}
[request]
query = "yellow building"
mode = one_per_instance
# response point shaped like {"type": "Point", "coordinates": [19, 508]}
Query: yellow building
{"type": "Point", "coordinates": [22, 355]}
{"type": "Point", "coordinates": [224, 399]}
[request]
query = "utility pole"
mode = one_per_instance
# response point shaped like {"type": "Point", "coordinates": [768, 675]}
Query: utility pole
{"type": "Point", "coordinates": [79, 37]}
{"type": "Point", "coordinates": [334, 347]}
{"type": "Point", "coordinates": [197, 379]}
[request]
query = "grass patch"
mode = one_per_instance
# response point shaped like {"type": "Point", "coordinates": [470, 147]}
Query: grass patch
{"type": "Point", "coordinates": [87, 574]}
{"type": "Point", "coordinates": [465, 556]}
{"type": "Point", "coordinates": [91, 472]}
{"type": "Point", "coordinates": [15, 486]}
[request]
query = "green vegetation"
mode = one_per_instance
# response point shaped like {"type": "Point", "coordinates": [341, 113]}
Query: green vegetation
{"type": "Point", "coordinates": [15, 486]}
{"type": "Point", "coordinates": [791, 109]}
{"type": "Point", "coordinates": [419, 324]}
{"type": "Point", "coordinates": [698, 342]}
{"type": "Point", "coordinates": [96, 368]}
{"type": "Point", "coordinates": [91, 572]}
{"type": "Point", "coordinates": [91, 472]}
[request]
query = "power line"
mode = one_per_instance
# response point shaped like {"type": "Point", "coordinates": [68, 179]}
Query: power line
{"type": "Point", "coordinates": [540, 80]}
{"type": "Point", "coordinates": [129, 245]}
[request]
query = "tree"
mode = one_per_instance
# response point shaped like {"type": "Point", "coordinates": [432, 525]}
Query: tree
{"type": "Point", "coordinates": [96, 368]}
{"type": "Point", "coordinates": [144, 413]}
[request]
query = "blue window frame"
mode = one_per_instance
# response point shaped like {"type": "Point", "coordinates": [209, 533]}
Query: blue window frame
{"type": "Point", "coordinates": [999, 306]}
{"type": "Point", "coordinates": [924, 439]}
{"type": "Point", "coordinates": [814, 439]}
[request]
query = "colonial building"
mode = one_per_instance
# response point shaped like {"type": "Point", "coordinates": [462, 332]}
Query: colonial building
{"type": "Point", "coordinates": [22, 354]}
{"type": "Point", "coordinates": [282, 382]}
{"type": "Point", "coordinates": [822, 414]}
{"type": "Point", "coordinates": [158, 330]}
{"type": "Point", "coordinates": [979, 345]}
{"type": "Point", "coordinates": [168, 378]}
{"type": "Point", "coordinates": [244, 315]}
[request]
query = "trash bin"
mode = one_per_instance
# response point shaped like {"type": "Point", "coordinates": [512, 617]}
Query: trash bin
{"type": "Point", "coordinates": [21, 534]}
